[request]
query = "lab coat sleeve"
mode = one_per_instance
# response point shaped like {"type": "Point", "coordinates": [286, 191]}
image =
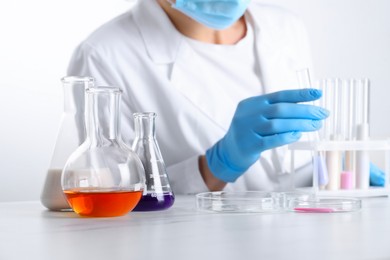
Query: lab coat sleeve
{"type": "Point", "coordinates": [185, 177]}
{"type": "Point", "coordinates": [87, 61]}
{"type": "Point", "coordinates": [92, 61]}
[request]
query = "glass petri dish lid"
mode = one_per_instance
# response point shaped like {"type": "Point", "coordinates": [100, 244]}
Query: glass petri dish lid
{"type": "Point", "coordinates": [247, 201]}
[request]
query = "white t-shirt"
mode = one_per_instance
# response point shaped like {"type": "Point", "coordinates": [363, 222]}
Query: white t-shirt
{"type": "Point", "coordinates": [234, 67]}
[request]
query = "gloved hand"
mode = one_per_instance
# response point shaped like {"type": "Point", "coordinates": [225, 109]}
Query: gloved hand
{"type": "Point", "coordinates": [261, 123]}
{"type": "Point", "coordinates": [377, 176]}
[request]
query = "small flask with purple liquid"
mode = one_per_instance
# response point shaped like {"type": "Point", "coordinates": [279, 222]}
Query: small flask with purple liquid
{"type": "Point", "coordinates": [158, 194]}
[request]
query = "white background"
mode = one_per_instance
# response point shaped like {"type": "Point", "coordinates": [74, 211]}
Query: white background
{"type": "Point", "coordinates": [350, 38]}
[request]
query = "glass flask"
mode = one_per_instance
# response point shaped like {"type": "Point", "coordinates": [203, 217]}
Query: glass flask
{"type": "Point", "coordinates": [70, 135]}
{"type": "Point", "coordinates": [103, 177]}
{"type": "Point", "coordinates": [158, 195]}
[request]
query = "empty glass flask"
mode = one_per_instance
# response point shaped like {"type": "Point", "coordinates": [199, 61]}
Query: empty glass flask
{"type": "Point", "coordinates": [103, 177]}
{"type": "Point", "coordinates": [70, 135]}
{"type": "Point", "coordinates": [158, 195]}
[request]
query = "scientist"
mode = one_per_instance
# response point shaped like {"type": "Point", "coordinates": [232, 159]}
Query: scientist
{"type": "Point", "coordinates": [221, 77]}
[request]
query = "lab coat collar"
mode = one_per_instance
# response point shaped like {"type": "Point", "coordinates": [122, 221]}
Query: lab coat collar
{"type": "Point", "coordinates": [162, 40]}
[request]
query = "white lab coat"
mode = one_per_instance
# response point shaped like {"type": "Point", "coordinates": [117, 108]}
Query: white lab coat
{"type": "Point", "coordinates": [141, 52]}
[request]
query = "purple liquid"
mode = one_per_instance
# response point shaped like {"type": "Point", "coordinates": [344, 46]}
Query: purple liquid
{"type": "Point", "coordinates": [155, 201]}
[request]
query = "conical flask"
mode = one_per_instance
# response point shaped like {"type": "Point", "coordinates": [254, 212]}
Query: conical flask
{"type": "Point", "coordinates": [103, 177]}
{"type": "Point", "coordinates": [70, 135]}
{"type": "Point", "coordinates": [158, 195]}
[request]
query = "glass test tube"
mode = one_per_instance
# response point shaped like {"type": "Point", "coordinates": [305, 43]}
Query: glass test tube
{"type": "Point", "coordinates": [347, 177]}
{"type": "Point", "coordinates": [320, 174]}
{"type": "Point", "coordinates": [333, 158]}
{"type": "Point", "coordinates": [362, 163]}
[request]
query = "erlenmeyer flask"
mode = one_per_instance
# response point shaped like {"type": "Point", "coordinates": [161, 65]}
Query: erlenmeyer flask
{"type": "Point", "coordinates": [158, 195]}
{"type": "Point", "coordinates": [70, 135]}
{"type": "Point", "coordinates": [103, 177]}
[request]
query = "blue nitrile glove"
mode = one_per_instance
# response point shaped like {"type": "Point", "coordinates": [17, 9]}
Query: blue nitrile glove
{"type": "Point", "coordinates": [377, 176]}
{"type": "Point", "coordinates": [261, 123]}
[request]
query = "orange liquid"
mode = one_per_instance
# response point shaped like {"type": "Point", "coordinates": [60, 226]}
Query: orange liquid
{"type": "Point", "coordinates": [103, 204]}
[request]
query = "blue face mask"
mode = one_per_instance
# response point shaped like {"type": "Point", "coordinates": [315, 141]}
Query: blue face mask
{"type": "Point", "coordinates": [216, 14]}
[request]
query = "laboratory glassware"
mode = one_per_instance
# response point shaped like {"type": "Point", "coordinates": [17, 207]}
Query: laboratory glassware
{"type": "Point", "coordinates": [103, 177]}
{"type": "Point", "coordinates": [345, 140]}
{"type": "Point", "coordinates": [324, 204]}
{"type": "Point", "coordinates": [320, 172]}
{"type": "Point", "coordinates": [273, 202]}
{"type": "Point", "coordinates": [70, 135]}
{"type": "Point", "coordinates": [362, 165]}
{"type": "Point", "coordinates": [334, 158]}
{"type": "Point", "coordinates": [348, 177]}
{"type": "Point", "coordinates": [349, 106]}
{"type": "Point", "coordinates": [158, 194]}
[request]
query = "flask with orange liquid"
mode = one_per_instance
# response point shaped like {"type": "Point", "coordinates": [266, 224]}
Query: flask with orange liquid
{"type": "Point", "coordinates": [103, 177]}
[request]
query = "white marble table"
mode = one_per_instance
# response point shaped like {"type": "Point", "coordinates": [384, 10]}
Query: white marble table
{"type": "Point", "coordinates": [28, 231]}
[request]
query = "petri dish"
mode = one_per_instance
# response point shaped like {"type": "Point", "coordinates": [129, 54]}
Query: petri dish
{"type": "Point", "coordinates": [247, 201]}
{"type": "Point", "coordinates": [324, 205]}
{"type": "Point", "coordinates": [273, 202]}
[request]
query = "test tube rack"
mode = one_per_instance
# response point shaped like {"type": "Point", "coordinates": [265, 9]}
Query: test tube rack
{"type": "Point", "coordinates": [381, 148]}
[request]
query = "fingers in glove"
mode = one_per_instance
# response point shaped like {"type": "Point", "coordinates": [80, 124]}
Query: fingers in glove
{"type": "Point", "coordinates": [298, 111]}
{"type": "Point", "coordinates": [277, 140]}
{"type": "Point", "coordinates": [293, 96]}
{"type": "Point", "coordinates": [278, 126]}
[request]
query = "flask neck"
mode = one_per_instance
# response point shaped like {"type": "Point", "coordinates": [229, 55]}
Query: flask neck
{"type": "Point", "coordinates": [145, 125]}
{"type": "Point", "coordinates": [102, 115]}
{"type": "Point", "coordinates": [73, 89]}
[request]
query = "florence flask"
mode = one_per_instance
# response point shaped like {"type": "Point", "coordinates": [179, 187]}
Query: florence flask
{"type": "Point", "coordinates": [103, 177]}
